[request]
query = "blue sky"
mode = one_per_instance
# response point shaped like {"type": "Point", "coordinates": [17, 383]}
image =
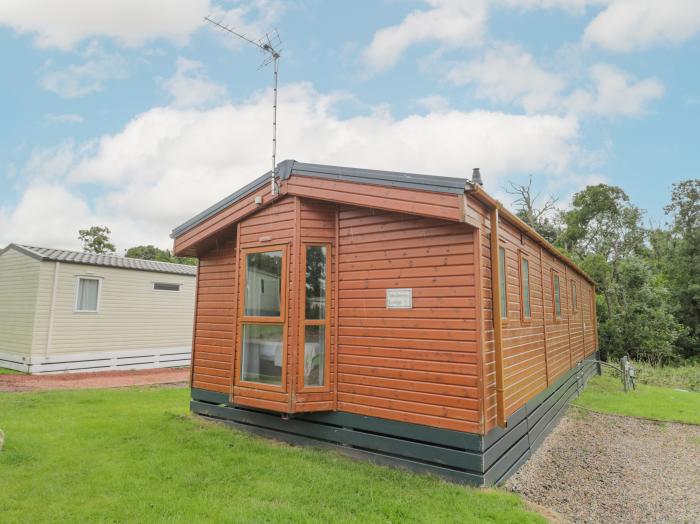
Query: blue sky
{"type": "Point", "coordinates": [138, 115]}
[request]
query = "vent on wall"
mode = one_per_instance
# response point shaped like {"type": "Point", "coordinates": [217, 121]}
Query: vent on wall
{"type": "Point", "coordinates": [165, 286]}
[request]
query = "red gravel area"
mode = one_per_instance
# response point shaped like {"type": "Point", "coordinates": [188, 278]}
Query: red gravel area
{"type": "Point", "coordinates": [97, 380]}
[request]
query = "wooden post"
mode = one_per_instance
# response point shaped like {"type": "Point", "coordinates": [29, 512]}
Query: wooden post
{"type": "Point", "coordinates": [497, 321]}
{"type": "Point", "coordinates": [544, 319]}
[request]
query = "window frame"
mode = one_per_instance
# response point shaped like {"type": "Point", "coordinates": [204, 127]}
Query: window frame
{"type": "Point", "coordinates": [523, 318]}
{"type": "Point", "coordinates": [574, 297]}
{"type": "Point", "coordinates": [98, 303]}
{"type": "Point", "coordinates": [555, 274]}
{"type": "Point", "coordinates": [304, 322]}
{"type": "Point", "coordinates": [178, 290]}
{"type": "Point", "coordinates": [503, 283]}
{"type": "Point", "coordinates": [249, 319]}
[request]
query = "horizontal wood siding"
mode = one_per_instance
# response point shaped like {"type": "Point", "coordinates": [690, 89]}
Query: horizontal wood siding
{"type": "Point", "coordinates": [215, 319]}
{"type": "Point", "coordinates": [425, 203]}
{"type": "Point", "coordinates": [540, 350]}
{"type": "Point", "coordinates": [415, 365]}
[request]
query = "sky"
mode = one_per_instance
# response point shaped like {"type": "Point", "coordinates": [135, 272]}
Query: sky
{"type": "Point", "coordinates": [138, 115]}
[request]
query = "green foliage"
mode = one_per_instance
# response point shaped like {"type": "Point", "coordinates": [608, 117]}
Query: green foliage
{"type": "Point", "coordinates": [685, 376]}
{"type": "Point", "coordinates": [605, 394]}
{"type": "Point", "coordinates": [136, 455]}
{"type": "Point", "coordinates": [639, 322]}
{"type": "Point", "coordinates": [647, 280]}
{"type": "Point", "coordinates": [681, 254]}
{"type": "Point", "coordinates": [151, 252]}
{"type": "Point", "coordinates": [96, 240]}
{"type": "Point", "coordinates": [5, 371]}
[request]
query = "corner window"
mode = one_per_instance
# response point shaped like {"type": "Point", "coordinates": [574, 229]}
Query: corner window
{"type": "Point", "coordinates": [87, 295]}
{"type": "Point", "coordinates": [502, 281]}
{"type": "Point", "coordinates": [556, 291]}
{"type": "Point", "coordinates": [316, 333]}
{"type": "Point", "coordinates": [165, 286]}
{"type": "Point", "coordinates": [525, 288]}
{"type": "Point", "coordinates": [262, 329]}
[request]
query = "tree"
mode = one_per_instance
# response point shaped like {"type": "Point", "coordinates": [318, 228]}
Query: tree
{"type": "Point", "coordinates": [682, 261]}
{"type": "Point", "coordinates": [151, 252]}
{"type": "Point", "coordinates": [641, 323]}
{"type": "Point", "coordinates": [539, 218]}
{"type": "Point", "coordinates": [603, 221]}
{"type": "Point", "coordinates": [96, 240]}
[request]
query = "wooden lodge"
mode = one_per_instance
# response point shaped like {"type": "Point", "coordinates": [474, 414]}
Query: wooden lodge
{"type": "Point", "coordinates": [355, 309]}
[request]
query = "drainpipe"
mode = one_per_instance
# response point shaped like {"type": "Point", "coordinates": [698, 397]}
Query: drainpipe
{"type": "Point", "coordinates": [497, 321]}
{"type": "Point", "coordinates": [49, 331]}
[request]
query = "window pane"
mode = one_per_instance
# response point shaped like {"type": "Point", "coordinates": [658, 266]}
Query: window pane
{"type": "Point", "coordinates": [574, 298]}
{"type": "Point", "coordinates": [262, 353]}
{"type": "Point", "coordinates": [164, 286]}
{"type": "Point", "coordinates": [87, 294]}
{"type": "Point", "coordinates": [557, 297]}
{"type": "Point", "coordinates": [315, 282]}
{"type": "Point", "coordinates": [502, 281]}
{"type": "Point", "coordinates": [525, 269]}
{"type": "Point", "coordinates": [263, 284]}
{"type": "Point", "coordinates": [314, 355]}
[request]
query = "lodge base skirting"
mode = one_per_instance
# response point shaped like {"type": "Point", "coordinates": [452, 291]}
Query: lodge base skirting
{"type": "Point", "coordinates": [481, 460]}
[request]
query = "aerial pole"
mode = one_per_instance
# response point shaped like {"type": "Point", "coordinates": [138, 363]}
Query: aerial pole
{"type": "Point", "coordinates": [267, 45]}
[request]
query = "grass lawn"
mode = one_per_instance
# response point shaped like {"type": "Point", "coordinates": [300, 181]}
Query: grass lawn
{"type": "Point", "coordinates": [136, 455]}
{"type": "Point", "coordinates": [605, 394]}
{"type": "Point", "coordinates": [5, 371]}
{"type": "Point", "coordinates": [686, 376]}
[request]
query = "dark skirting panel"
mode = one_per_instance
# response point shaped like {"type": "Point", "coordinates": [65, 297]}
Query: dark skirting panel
{"type": "Point", "coordinates": [481, 460]}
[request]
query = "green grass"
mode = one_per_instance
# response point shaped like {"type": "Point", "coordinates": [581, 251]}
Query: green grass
{"type": "Point", "coordinates": [605, 394]}
{"type": "Point", "coordinates": [136, 455]}
{"type": "Point", "coordinates": [683, 377]}
{"type": "Point", "coordinates": [5, 371]}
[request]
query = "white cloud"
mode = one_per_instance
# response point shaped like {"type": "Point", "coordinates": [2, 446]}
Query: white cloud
{"type": "Point", "coordinates": [89, 77]}
{"type": "Point", "coordinates": [507, 74]}
{"type": "Point", "coordinates": [169, 163]}
{"type": "Point", "coordinates": [614, 93]}
{"type": "Point", "coordinates": [68, 118]}
{"type": "Point", "coordinates": [129, 22]}
{"type": "Point", "coordinates": [434, 103]}
{"type": "Point", "coordinates": [627, 25]}
{"type": "Point", "coordinates": [190, 86]}
{"type": "Point", "coordinates": [450, 23]}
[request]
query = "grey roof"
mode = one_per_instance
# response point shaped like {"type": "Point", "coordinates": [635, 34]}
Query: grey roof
{"type": "Point", "coordinates": [286, 168]}
{"type": "Point", "coordinates": [75, 257]}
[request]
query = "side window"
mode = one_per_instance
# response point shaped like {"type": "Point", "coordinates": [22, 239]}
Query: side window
{"type": "Point", "coordinates": [502, 281]}
{"type": "Point", "coordinates": [316, 333]}
{"type": "Point", "coordinates": [165, 286]}
{"type": "Point", "coordinates": [525, 288]}
{"type": "Point", "coordinates": [87, 295]}
{"type": "Point", "coordinates": [263, 317]}
{"type": "Point", "coordinates": [556, 291]}
{"type": "Point", "coordinates": [574, 297]}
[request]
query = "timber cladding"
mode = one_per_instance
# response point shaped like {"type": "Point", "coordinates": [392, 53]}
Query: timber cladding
{"type": "Point", "coordinates": [407, 332]}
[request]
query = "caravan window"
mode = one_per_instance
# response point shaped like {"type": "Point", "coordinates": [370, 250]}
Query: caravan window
{"type": "Point", "coordinates": [87, 295]}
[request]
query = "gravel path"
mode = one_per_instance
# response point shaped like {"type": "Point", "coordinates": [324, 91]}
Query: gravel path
{"type": "Point", "coordinates": [101, 379]}
{"type": "Point", "coordinates": [605, 468]}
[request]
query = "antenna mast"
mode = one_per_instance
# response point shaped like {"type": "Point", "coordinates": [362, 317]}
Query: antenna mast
{"type": "Point", "coordinates": [266, 45]}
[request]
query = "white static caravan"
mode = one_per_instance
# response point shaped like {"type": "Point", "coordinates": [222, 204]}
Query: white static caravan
{"type": "Point", "coordinates": [64, 311]}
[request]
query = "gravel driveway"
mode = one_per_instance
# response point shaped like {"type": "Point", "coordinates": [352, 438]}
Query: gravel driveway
{"type": "Point", "coordinates": [101, 379]}
{"type": "Point", "coordinates": [605, 468]}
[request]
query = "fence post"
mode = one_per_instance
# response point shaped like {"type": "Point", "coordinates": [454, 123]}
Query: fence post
{"type": "Point", "coordinates": [624, 364]}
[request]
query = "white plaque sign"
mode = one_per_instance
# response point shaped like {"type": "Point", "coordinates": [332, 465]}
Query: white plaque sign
{"type": "Point", "coordinates": [399, 298]}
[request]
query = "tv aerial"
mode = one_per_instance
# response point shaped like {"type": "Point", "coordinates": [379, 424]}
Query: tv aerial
{"type": "Point", "coordinates": [270, 45]}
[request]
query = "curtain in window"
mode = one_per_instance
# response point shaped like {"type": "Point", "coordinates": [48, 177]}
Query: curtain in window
{"type": "Point", "coordinates": [87, 294]}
